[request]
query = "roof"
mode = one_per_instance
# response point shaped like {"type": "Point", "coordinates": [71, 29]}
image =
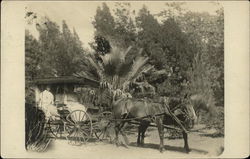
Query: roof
{"type": "Point", "coordinates": [66, 80]}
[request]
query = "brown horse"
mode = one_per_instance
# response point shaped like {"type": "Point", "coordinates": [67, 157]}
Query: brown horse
{"type": "Point", "coordinates": [128, 108]}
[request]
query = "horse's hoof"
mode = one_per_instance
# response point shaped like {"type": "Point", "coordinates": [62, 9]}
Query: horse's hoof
{"type": "Point", "coordinates": [187, 150]}
{"type": "Point", "coordinates": [126, 146]}
{"type": "Point", "coordinates": [161, 150]}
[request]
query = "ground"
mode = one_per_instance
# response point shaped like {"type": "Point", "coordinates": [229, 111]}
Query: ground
{"type": "Point", "coordinates": [201, 146]}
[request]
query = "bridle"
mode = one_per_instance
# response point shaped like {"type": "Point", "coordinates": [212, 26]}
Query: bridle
{"type": "Point", "coordinates": [183, 111]}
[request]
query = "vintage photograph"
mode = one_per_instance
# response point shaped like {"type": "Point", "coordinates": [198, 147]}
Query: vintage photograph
{"type": "Point", "coordinates": [141, 79]}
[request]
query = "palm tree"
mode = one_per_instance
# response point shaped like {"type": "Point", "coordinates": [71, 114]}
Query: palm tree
{"type": "Point", "coordinates": [113, 70]}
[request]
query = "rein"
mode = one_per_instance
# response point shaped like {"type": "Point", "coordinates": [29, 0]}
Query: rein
{"type": "Point", "coordinates": [183, 112]}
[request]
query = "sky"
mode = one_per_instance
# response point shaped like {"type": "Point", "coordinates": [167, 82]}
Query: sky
{"type": "Point", "coordinates": [79, 15]}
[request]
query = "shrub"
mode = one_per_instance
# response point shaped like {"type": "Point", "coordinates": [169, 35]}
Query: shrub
{"type": "Point", "coordinates": [217, 122]}
{"type": "Point", "coordinates": [36, 136]}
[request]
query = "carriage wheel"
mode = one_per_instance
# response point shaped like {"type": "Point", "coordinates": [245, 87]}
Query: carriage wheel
{"type": "Point", "coordinates": [78, 127]}
{"type": "Point", "coordinates": [54, 128]}
{"type": "Point", "coordinates": [103, 125]}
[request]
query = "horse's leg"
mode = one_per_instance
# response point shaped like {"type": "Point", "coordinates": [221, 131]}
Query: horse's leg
{"type": "Point", "coordinates": [161, 133]}
{"type": "Point", "coordinates": [139, 135]}
{"type": "Point", "coordinates": [117, 129]}
{"type": "Point", "coordinates": [123, 126]}
{"type": "Point", "coordinates": [185, 137]}
{"type": "Point", "coordinates": [198, 116]}
{"type": "Point", "coordinates": [144, 128]}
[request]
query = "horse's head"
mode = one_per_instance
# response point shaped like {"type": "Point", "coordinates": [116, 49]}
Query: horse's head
{"type": "Point", "coordinates": [201, 103]}
{"type": "Point", "coordinates": [187, 115]}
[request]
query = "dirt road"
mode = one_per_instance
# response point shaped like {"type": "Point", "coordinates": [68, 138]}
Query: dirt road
{"type": "Point", "coordinates": [201, 146]}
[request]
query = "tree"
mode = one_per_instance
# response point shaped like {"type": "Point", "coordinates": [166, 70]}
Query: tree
{"type": "Point", "coordinates": [32, 56]}
{"type": "Point", "coordinates": [32, 61]}
{"type": "Point", "coordinates": [102, 45]}
{"type": "Point", "coordinates": [206, 32]}
{"type": "Point", "coordinates": [117, 29]}
{"type": "Point", "coordinates": [205, 37]}
{"type": "Point", "coordinates": [125, 31]}
{"type": "Point", "coordinates": [149, 37]}
{"type": "Point", "coordinates": [61, 50]}
{"type": "Point", "coordinates": [104, 22]}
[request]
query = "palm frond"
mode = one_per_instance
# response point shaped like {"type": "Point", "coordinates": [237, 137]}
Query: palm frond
{"type": "Point", "coordinates": [124, 69]}
{"type": "Point", "coordinates": [138, 67]}
{"type": "Point", "coordinates": [91, 68]}
{"type": "Point", "coordinates": [127, 51]}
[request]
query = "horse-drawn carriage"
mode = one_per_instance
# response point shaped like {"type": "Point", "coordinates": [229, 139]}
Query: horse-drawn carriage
{"type": "Point", "coordinates": [78, 121]}
{"type": "Point", "coordinates": [74, 118]}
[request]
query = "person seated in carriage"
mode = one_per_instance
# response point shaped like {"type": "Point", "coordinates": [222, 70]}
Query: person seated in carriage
{"type": "Point", "coordinates": [46, 103]}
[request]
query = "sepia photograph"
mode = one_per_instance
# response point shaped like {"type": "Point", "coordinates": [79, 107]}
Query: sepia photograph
{"type": "Point", "coordinates": [145, 77]}
{"type": "Point", "coordinates": [123, 79]}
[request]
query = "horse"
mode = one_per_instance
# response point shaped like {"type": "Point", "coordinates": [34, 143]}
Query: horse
{"type": "Point", "coordinates": [182, 113]}
{"type": "Point", "coordinates": [128, 108]}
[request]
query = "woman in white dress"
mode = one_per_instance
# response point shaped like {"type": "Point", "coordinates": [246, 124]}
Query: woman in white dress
{"type": "Point", "coordinates": [46, 104]}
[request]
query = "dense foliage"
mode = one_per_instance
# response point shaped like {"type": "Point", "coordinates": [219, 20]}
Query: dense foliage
{"type": "Point", "coordinates": [177, 53]}
{"type": "Point", "coordinates": [57, 52]}
{"type": "Point", "coordinates": [186, 47]}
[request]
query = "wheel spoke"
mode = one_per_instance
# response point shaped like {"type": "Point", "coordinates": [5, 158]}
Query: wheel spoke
{"type": "Point", "coordinates": [79, 127]}
{"type": "Point", "coordinates": [78, 139]}
{"type": "Point", "coordinates": [84, 131]}
{"type": "Point", "coordinates": [72, 123]}
{"type": "Point", "coordinates": [69, 127]}
{"type": "Point", "coordinates": [83, 138]}
{"type": "Point", "coordinates": [84, 127]}
{"type": "Point", "coordinates": [74, 117]}
{"type": "Point", "coordinates": [82, 119]}
{"type": "Point", "coordinates": [79, 115]}
{"type": "Point", "coordinates": [75, 137]}
{"type": "Point", "coordinates": [72, 137]}
{"type": "Point", "coordinates": [70, 120]}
